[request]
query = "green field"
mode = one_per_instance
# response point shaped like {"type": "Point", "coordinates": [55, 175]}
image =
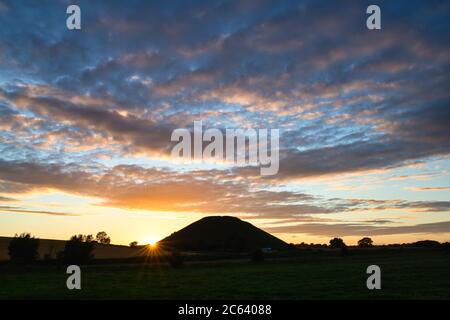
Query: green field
{"type": "Point", "coordinates": [405, 275]}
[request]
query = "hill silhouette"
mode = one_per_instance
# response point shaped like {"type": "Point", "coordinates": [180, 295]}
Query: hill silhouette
{"type": "Point", "coordinates": [222, 233]}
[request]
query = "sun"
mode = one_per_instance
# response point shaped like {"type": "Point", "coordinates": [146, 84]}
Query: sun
{"type": "Point", "coordinates": [153, 245]}
{"type": "Point", "coordinates": [151, 241]}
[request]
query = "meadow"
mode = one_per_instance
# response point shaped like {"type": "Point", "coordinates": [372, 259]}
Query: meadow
{"type": "Point", "coordinates": [406, 274]}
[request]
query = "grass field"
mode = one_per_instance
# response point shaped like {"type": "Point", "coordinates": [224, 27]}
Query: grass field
{"type": "Point", "coordinates": [405, 275]}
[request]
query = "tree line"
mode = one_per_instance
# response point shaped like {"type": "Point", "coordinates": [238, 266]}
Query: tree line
{"type": "Point", "coordinates": [24, 249]}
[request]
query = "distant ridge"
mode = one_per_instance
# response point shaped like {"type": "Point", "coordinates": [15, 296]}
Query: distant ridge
{"type": "Point", "coordinates": [221, 233]}
{"type": "Point", "coordinates": [50, 247]}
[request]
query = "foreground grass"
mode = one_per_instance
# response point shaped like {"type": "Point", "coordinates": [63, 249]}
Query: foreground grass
{"type": "Point", "coordinates": [412, 275]}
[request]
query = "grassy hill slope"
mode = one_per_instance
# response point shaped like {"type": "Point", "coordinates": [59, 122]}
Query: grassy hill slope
{"type": "Point", "coordinates": [221, 233]}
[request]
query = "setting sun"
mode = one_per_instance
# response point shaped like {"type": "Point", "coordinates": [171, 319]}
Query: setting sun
{"type": "Point", "coordinates": [151, 241]}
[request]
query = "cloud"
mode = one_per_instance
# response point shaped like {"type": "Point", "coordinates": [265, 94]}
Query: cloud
{"type": "Point", "coordinates": [379, 221]}
{"type": "Point", "coordinates": [358, 156]}
{"type": "Point", "coordinates": [343, 229]}
{"type": "Point", "coordinates": [6, 199]}
{"type": "Point", "coordinates": [202, 191]}
{"type": "Point", "coordinates": [8, 209]}
{"type": "Point", "coordinates": [130, 130]}
{"type": "Point", "coordinates": [429, 188]}
{"type": "Point", "coordinates": [279, 62]}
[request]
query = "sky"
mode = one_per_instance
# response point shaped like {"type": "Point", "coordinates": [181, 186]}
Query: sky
{"type": "Point", "coordinates": [86, 117]}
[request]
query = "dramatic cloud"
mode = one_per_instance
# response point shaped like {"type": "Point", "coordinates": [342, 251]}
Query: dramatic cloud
{"type": "Point", "coordinates": [209, 192]}
{"type": "Point", "coordinates": [77, 108]}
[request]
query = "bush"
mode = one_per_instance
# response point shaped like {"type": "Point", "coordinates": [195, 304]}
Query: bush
{"type": "Point", "coordinates": [23, 249]}
{"type": "Point", "coordinates": [78, 250]}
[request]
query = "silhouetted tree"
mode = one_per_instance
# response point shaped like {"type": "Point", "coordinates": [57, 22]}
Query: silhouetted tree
{"type": "Point", "coordinates": [426, 244]}
{"type": "Point", "coordinates": [133, 244]}
{"type": "Point", "coordinates": [78, 250]}
{"type": "Point", "coordinates": [337, 243]}
{"type": "Point", "coordinates": [102, 237]}
{"type": "Point", "coordinates": [23, 248]}
{"type": "Point", "coordinates": [365, 242]}
{"type": "Point", "coordinates": [257, 255]}
{"type": "Point", "coordinates": [176, 259]}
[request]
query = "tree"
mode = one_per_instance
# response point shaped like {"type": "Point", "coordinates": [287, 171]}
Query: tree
{"type": "Point", "coordinates": [365, 242]}
{"type": "Point", "coordinates": [102, 237]}
{"type": "Point", "coordinates": [78, 250]}
{"type": "Point", "coordinates": [133, 244]}
{"type": "Point", "coordinates": [337, 243]}
{"type": "Point", "coordinates": [23, 248]}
